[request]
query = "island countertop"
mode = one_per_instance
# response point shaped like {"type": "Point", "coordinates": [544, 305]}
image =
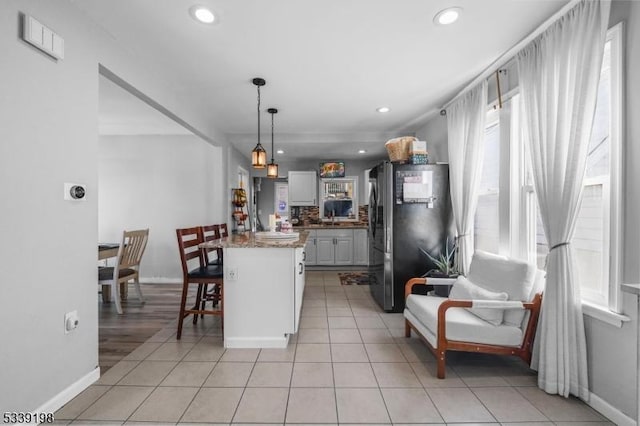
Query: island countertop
{"type": "Point", "coordinates": [249, 240]}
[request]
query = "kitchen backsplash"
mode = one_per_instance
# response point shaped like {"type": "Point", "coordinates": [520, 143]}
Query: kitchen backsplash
{"type": "Point", "coordinates": [311, 215]}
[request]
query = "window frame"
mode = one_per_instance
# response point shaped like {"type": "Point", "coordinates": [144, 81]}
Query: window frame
{"type": "Point", "coordinates": [517, 202]}
{"type": "Point", "coordinates": [613, 215]}
{"type": "Point", "coordinates": [615, 35]}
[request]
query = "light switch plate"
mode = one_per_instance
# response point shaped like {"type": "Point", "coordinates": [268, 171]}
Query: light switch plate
{"type": "Point", "coordinates": [42, 37]}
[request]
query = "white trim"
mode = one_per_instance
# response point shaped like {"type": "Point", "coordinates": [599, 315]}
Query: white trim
{"type": "Point", "coordinates": [604, 315]}
{"type": "Point", "coordinates": [256, 342]}
{"type": "Point", "coordinates": [73, 390]}
{"type": "Point", "coordinates": [160, 280]}
{"type": "Point", "coordinates": [609, 411]}
{"type": "Point", "coordinates": [616, 157]}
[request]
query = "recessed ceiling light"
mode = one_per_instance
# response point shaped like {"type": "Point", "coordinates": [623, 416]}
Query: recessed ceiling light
{"type": "Point", "coordinates": [383, 109]}
{"type": "Point", "coordinates": [447, 16]}
{"type": "Point", "coordinates": [362, 151]}
{"type": "Point", "coordinates": [202, 14]}
{"type": "Point", "coordinates": [280, 151]}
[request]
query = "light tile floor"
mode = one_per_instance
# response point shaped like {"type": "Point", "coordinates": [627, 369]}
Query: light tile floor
{"type": "Point", "coordinates": [349, 364]}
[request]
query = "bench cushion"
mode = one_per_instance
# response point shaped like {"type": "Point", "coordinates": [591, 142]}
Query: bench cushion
{"type": "Point", "coordinates": [501, 274]}
{"type": "Point", "coordinates": [463, 289]}
{"type": "Point", "coordinates": [462, 325]}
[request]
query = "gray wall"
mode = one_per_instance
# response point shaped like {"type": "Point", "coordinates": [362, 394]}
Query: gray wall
{"type": "Point", "coordinates": [48, 134]}
{"type": "Point", "coordinates": [161, 183]}
{"type": "Point", "coordinates": [266, 205]}
{"type": "Point", "coordinates": [612, 351]}
{"type": "Point", "coordinates": [352, 168]}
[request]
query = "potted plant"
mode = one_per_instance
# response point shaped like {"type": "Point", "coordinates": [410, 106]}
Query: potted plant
{"type": "Point", "coordinates": [445, 271]}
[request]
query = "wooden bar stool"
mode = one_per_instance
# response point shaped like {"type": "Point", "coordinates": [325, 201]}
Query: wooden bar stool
{"type": "Point", "coordinates": [210, 233]}
{"type": "Point", "coordinates": [202, 275]}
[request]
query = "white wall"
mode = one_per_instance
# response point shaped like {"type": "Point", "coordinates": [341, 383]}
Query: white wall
{"type": "Point", "coordinates": [48, 136]}
{"type": "Point", "coordinates": [435, 133]}
{"type": "Point", "coordinates": [161, 183]}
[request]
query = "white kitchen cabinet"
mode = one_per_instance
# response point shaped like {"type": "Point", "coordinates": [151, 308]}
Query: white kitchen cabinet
{"type": "Point", "coordinates": [344, 250]}
{"type": "Point", "coordinates": [360, 247]}
{"type": "Point", "coordinates": [303, 187]}
{"type": "Point", "coordinates": [311, 249]}
{"type": "Point", "coordinates": [299, 283]}
{"type": "Point", "coordinates": [263, 292]}
{"type": "Point", "coordinates": [334, 247]}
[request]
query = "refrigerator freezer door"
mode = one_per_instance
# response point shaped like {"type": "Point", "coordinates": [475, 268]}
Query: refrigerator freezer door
{"type": "Point", "coordinates": [380, 267]}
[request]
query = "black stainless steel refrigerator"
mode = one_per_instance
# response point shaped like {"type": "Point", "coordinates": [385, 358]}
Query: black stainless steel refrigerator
{"type": "Point", "coordinates": [409, 209]}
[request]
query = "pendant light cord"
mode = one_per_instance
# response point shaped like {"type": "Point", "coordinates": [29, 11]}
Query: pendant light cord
{"type": "Point", "coordinates": [272, 114]}
{"type": "Point", "coordinates": [258, 115]}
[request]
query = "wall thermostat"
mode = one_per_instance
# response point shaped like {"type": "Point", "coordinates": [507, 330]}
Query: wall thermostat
{"type": "Point", "coordinates": [75, 191]}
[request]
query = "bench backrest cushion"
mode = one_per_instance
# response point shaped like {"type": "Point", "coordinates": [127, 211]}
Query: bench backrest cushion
{"type": "Point", "coordinates": [501, 274]}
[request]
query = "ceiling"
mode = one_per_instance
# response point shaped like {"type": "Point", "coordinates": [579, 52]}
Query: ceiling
{"type": "Point", "coordinates": [328, 65]}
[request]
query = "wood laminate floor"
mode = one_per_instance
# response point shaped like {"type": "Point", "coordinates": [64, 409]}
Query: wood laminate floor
{"type": "Point", "coordinates": [119, 335]}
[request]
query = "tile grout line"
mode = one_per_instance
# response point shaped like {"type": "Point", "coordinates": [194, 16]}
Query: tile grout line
{"type": "Point", "coordinates": [161, 380]}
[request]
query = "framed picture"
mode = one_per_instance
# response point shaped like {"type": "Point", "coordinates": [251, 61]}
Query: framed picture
{"type": "Point", "coordinates": [332, 169]}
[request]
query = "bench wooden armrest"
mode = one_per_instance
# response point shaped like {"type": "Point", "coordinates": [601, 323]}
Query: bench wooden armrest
{"type": "Point", "coordinates": [533, 306]}
{"type": "Point", "coordinates": [408, 287]}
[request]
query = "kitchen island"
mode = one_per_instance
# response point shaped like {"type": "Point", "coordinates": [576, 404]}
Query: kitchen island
{"type": "Point", "coordinates": [263, 287]}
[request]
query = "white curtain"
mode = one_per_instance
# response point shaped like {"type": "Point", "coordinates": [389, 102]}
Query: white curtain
{"type": "Point", "coordinates": [558, 75]}
{"type": "Point", "coordinates": [466, 119]}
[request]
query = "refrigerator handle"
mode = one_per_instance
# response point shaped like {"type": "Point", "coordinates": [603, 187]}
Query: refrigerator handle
{"type": "Point", "coordinates": [387, 240]}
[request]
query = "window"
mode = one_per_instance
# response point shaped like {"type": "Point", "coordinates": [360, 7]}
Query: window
{"type": "Point", "coordinates": [486, 229]}
{"type": "Point", "coordinates": [507, 220]}
{"type": "Point", "coordinates": [596, 239]}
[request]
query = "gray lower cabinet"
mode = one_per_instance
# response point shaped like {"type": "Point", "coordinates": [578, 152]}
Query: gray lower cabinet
{"type": "Point", "coordinates": [360, 247]}
{"type": "Point", "coordinates": [334, 247]}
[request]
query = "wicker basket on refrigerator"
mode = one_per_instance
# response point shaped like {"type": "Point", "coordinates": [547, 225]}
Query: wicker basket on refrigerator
{"type": "Point", "coordinates": [398, 148]}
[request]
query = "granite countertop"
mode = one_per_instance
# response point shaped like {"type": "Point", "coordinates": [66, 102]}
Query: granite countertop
{"type": "Point", "coordinates": [248, 240]}
{"type": "Point", "coordinates": [343, 225]}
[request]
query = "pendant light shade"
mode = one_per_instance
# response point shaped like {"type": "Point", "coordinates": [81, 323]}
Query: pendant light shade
{"type": "Point", "coordinates": [272, 167]}
{"type": "Point", "coordinates": [259, 155]}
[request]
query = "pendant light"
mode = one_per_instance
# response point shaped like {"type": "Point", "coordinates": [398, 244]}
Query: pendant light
{"type": "Point", "coordinates": [272, 167]}
{"type": "Point", "coordinates": [259, 155]}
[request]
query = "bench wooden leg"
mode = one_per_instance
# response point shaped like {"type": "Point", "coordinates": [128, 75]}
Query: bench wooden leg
{"type": "Point", "coordinates": [441, 364]}
{"type": "Point", "coordinates": [407, 328]}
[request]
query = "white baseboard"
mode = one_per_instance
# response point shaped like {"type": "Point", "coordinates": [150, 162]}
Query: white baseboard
{"type": "Point", "coordinates": [609, 411]}
{"type": "Point", "coordinates": [160, 280]}
{"type": "Point", "coordinates": [256, 342]}
{"type": "Point", "coordinates": [73, 390]}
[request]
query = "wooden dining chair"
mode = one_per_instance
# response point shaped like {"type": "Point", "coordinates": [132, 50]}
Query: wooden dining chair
{"type": "Point", "coordinates": [127, 266]}
{"type": "Point", "coordinates": [188, 241]}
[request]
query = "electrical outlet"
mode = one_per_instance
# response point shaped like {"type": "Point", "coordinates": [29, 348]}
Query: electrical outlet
{"type": "Point", "coordinates": [232, 274]}
{"type": "Point", "coordinates": [71, 321]}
